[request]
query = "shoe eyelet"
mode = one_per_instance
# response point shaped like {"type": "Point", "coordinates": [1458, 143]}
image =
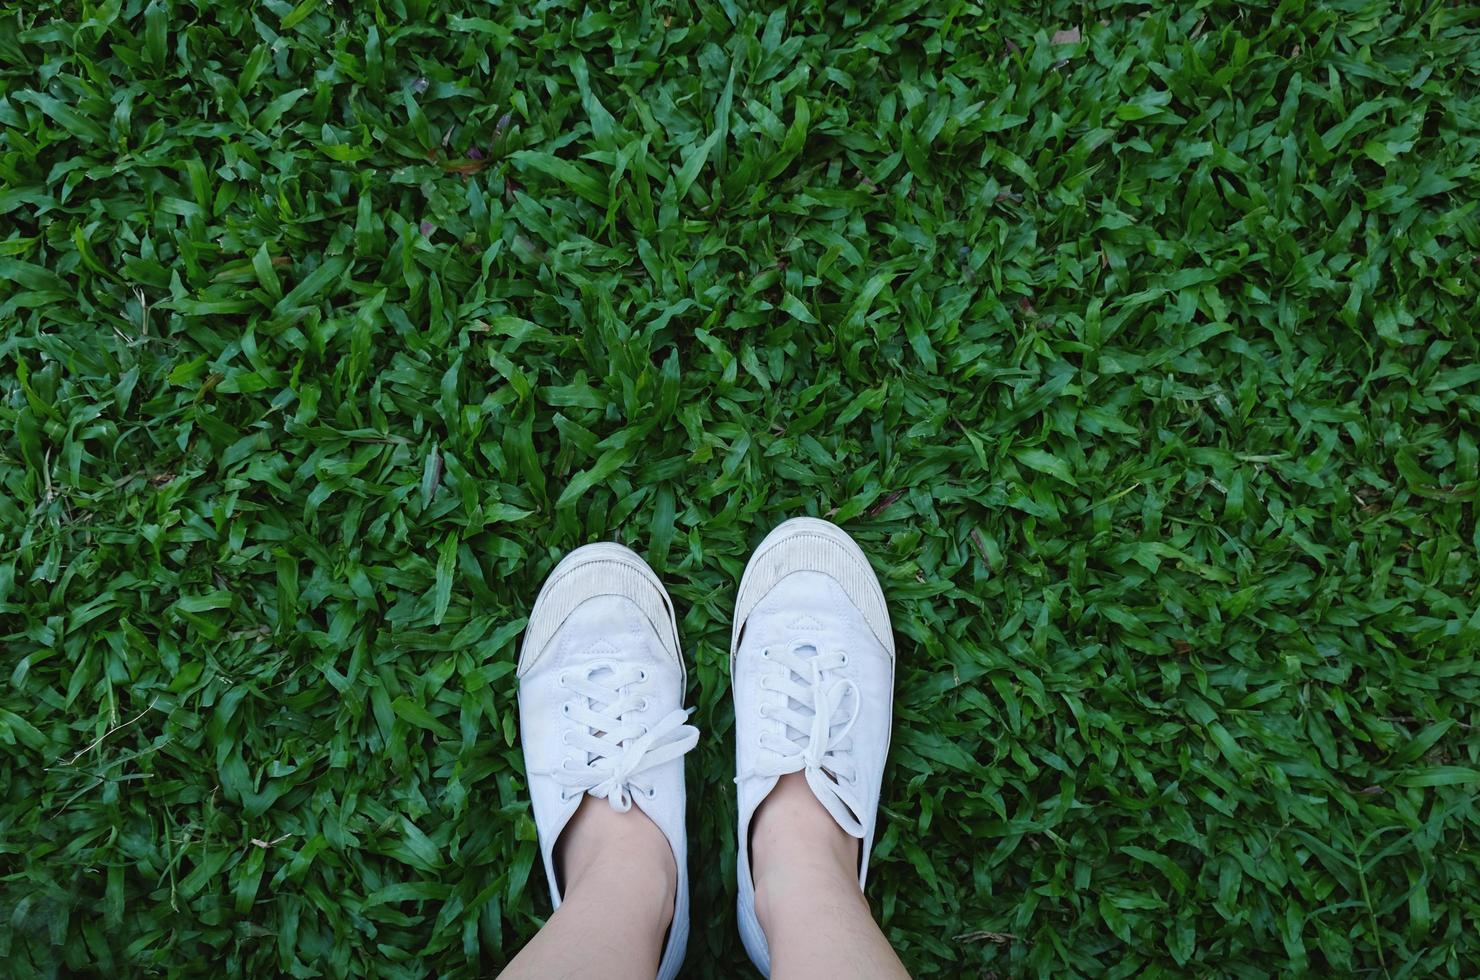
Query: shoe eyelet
{"type": "Point", "coordinates": [845, 661]}
{"type": "Point", "coordinates": [765, 654]}
{"type": "Point", "coordinates": [565, 738]}
{"type": "Point", "coordinates": [561, 680]}
{"type": "Point", "coordinates": [643, 704]}
{"type": "Point", "coordinates": [641, 675]}
{"type": "Point", "coordinates": [652, 793]}
{"type": "Point", "coordinates": [763, 712]}
{"type": "Point", "coordinates": [565, 709]}
{"type": "Point", "coordinates": [643, 732]}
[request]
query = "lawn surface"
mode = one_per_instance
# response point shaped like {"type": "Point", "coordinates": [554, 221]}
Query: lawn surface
{"type": "Point", "coordinates": [1137, 348]}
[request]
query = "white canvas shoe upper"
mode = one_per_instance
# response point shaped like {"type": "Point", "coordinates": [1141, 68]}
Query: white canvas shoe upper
{"type": "Point", "coordinates": [601, 683]}
{"type": "Point", "coordinates": [812, 671]}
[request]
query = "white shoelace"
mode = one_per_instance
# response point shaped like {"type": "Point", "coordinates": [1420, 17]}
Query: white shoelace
{"type": "Point", "coordinates": [611, 753]}
{"type": "Point", "coordinates": [813, 718]}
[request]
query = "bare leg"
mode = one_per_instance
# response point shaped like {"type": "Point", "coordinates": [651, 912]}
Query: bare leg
{"type": "Point", "coordinates": [816, 920]}
{"type": "Point", "coordinates": [619, 884]}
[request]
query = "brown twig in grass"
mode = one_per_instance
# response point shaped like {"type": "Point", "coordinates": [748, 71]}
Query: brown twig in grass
{"type": "Point", "coordinates": [978, 935]}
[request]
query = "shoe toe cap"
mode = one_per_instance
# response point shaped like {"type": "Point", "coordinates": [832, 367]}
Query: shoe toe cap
{"type": "Point", "coordinates": [596, 590]}
{"type": "Point", "coordinates": [811, 567]}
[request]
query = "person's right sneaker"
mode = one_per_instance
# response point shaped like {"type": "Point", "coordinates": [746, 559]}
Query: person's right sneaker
{"type": "Point", "coordinates": [812, 672]}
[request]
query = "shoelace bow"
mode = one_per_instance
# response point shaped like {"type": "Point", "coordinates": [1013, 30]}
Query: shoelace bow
{"type": "Point", "coordinates": [617, 752]}
{"type": "Point", "coordinates": [815, 716]}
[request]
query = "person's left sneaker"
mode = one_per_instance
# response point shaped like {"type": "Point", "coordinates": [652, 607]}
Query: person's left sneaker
{"type": "Point", "coordinates": [812, 674]}
{"type": "Point", "coordinates": [601, 683]}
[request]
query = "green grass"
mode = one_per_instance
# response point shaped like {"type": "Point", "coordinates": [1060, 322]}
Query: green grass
{"type": "Point", "coordinates": [1142, 361]}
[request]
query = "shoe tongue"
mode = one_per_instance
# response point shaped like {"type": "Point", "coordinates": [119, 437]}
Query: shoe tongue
{"type": "Point", "coordinates": [601, 675]}
{"type": "Point", "coordinates": [806, 651]}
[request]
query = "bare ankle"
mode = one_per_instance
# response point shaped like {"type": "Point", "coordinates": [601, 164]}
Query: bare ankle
{"type": "Point", "coordinates": [621, 855]}
{"type": "Point", "coordinates": [799, 854]}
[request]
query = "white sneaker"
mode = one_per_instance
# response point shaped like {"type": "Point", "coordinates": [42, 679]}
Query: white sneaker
{"type": "Point", "coordinates": [601, 683]}
{"type": "Point", "coordinates": [812, 670]}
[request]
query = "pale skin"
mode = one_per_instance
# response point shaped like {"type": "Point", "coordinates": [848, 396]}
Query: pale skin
{"type": "Point", "coordinates": [816, 920]}
{"type": "Point", "coordinates": [619, 885]}
{"type": "Point", "coordinates": [619, 882]}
